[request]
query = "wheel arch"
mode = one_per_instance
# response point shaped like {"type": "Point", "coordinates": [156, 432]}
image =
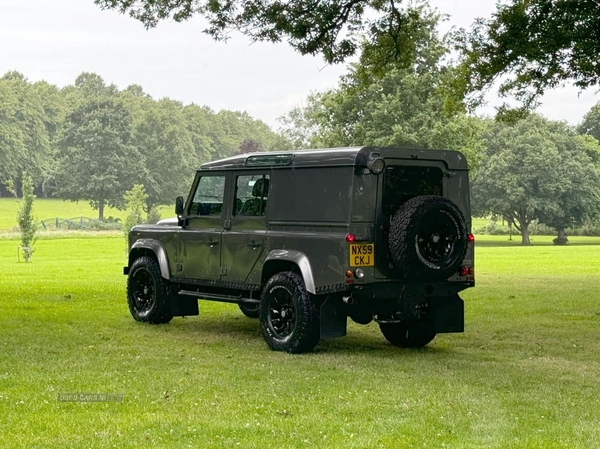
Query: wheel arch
{"type": "Point", "coordinates": [289, 260]}
{"type": "Point", "coordinates": [151, 248]}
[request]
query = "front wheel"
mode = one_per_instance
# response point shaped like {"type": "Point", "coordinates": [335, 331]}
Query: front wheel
{"type": "Point", "coordinates": [289, 316]}
{"type": "Point", "coordinates": [408, 334]}
{"type": "Point", "coordinates": [148, 292]}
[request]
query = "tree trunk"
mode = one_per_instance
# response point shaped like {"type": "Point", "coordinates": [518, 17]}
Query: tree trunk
{"type": "Point", "coordinates": [525, 234]}
{"type": "Point", "coordinates": [101, 209]}
{"type": "Point", "coordinates": [561, 239]}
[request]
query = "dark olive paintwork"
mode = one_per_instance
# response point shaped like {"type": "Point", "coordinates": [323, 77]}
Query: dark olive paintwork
{"type": "Point", "coordinates": [314, 200]}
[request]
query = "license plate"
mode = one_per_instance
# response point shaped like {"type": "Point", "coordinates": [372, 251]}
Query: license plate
{"type": "Point", "coordinates": [362, 255]}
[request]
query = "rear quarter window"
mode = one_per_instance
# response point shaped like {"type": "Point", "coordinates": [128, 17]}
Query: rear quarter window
{"type": "Point", "coordinates": [312, 194]}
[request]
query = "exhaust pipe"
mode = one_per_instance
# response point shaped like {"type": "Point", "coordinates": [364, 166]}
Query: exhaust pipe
{"type": "Point", "coordinates": [348, 300]}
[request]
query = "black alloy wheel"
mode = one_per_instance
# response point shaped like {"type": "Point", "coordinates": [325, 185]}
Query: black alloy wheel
{"type": "Point", "coordinates": [436, 238]}
{"type": "Point", "coordinates": [282, 315]}
{"type": "Point", "coordinates": [148, 292]}
{"type": "Point", "coordinates": [288, 314]}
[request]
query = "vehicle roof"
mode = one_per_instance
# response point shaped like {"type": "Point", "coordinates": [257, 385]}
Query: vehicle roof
{"type": "Point", "coordinates": [343, 156]}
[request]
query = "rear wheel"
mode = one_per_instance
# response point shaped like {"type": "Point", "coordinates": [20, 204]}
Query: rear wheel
{"type": "Point", "coordinates": [408, 334]}
{"type": "Point", "coordinates": [250, 310]}
{"type": "Point", "coordinates": [148, 292]}
{"type": "Point", "coordinates": [289, 316]}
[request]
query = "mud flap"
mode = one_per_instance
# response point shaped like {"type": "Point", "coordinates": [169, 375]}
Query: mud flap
{"type": "Point", "coordinates": [449, 314]}
{"type": "Point", "coordinates": [333, 318]}
{"type": "Point", "coordinates": [183, 305]}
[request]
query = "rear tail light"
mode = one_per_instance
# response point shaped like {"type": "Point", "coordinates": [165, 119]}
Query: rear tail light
{"type": "Point", "coordinates": [466, 271]}
{"type": "Point", "coordinates": [470, 238]}
{"type": "Point", "coordinates": [350, 238]}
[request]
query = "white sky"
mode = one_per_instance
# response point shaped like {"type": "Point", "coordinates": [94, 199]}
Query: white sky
{"type": "Point", "coordinates": [57, 40]}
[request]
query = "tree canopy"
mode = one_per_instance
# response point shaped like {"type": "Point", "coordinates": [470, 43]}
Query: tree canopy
{"type": "Point", "coordinates": [91, 141]}
{"type": "Point", "coordinates": [539, 170]}
{"type": "Point", "coordinates": [403, 107]}
{"type": "Point", "coordinates": [591, 122]}
{"type": "Point", "coordinates": [98, 161]}
{"type": "Point", "coordinates": [335, 29]}
{"type": "Point", "coordinates": [530, 46]}
{"type": "Point", "coordinates": [24, 140]}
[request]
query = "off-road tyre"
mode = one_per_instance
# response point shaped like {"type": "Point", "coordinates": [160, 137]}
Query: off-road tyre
{"type": "Point", "coordinates": [148, 292]}
{"type": "Point", "coordinates": [428, 238]}
{"type": "Point", "coordinates": [289, 316]}
{"type": "Point", "coordinates": [250, 310]}
{"type": "Point", "coordinates": [409, 334]}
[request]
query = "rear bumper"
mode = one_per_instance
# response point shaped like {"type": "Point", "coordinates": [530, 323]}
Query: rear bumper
{"type": "Point", "coordinates": [396, 290]}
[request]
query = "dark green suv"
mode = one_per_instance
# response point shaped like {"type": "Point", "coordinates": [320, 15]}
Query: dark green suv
{"type": "Point", "coordinates": [303, 240]}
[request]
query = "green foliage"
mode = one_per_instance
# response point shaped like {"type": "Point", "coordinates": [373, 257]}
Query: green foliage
{"type": "Point", "coordinates": [335, 29]}
{"type": "Point", "coordinates": [153, 216]}
{"type": "Point", "coordinates": [135, 200]}
{"type": "Point", "coordinates": [536, 169]}
{"type": "Point", "coordinates": [560, 240]}
{"type": "Point", "coordinates": [97, 158]}
{"type": "Point", "coordinates": [492, 228]}
{"type": "Point", "coordinates": [250, 146]}
{"type": "Point", "coordinates": [591, 124]}
{"type": "Point", "coordinates": [24, 141]}
{"type": "Point", "coordinates": [90, 141]}
{"type": "Point", "coordinates": [532, 46]}
{"type": "Point", "coordinates": [166, 148]}
{"type": "Point", "coordinates": [26, 219]}
{"type": "Point", "coordinates": [403, 106]}
{"type": "Point", "coordinates": [229, 129]}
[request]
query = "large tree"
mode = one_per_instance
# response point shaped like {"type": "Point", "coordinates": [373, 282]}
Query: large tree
{"type": "Point", "coordinates": [24, 139]}
{"type": "Point", "coordinates": [404, 106]}
{"type": "Point", "coordinates": [167, 149]}
{"type": "Point", "coordinates": [591, 122]}
{"type": "Point", "coordinates": [96, 158]}
{"type": "Point", "coordinates": [336, 29]}
{"type": "Point", "coordinates": [537, 170]}
{"type": "Point", "coordinates": [530, 46]}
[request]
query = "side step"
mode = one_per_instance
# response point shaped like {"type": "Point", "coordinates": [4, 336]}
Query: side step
{"type": "Point", "coordinates": [219, 298]}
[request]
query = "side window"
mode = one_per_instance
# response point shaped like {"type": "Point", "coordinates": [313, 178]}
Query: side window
{"type": "Point", "coordinates": [208, 198]}
{"type": "Point", "coordinates": [251, 195]}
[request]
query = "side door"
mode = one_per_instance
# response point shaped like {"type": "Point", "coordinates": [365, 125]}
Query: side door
{"type": "Point", "coordinates": [244, 240]}
{"type": "Point", "coordinates": [200, 239]}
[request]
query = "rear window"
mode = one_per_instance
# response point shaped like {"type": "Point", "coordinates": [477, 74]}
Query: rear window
{"type": "Point", "coordinates": [402, 182]}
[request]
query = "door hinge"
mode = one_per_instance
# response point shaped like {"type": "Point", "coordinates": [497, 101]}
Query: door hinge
{"type": "Point", "coordinates": [227, 224]}
{"type": "Point", "coordinates": [223, 271]}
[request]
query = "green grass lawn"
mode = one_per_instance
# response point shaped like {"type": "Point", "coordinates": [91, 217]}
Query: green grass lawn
{"type": "Point", "coordinates": [526, 373]}
{"type": "Point", "coordinates": [44, 208]}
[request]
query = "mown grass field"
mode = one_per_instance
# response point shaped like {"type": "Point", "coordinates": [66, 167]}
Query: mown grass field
{"type": "Point", "coordinates": [525, 374]}
{"type": "Point", "coordinates": [44, 208]}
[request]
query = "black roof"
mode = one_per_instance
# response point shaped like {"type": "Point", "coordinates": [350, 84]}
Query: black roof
{"type": "Point", "coordinates": [343, 156]}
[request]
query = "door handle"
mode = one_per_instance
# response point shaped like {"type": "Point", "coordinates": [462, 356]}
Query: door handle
{"type": "Point", "coordinates": [213, 243]}
{"type": "Point", "coordinates": [253, 244]}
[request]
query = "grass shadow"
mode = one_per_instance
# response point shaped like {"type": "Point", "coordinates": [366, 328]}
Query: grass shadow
{"type": "Point", "coordinates": [212, 328]}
